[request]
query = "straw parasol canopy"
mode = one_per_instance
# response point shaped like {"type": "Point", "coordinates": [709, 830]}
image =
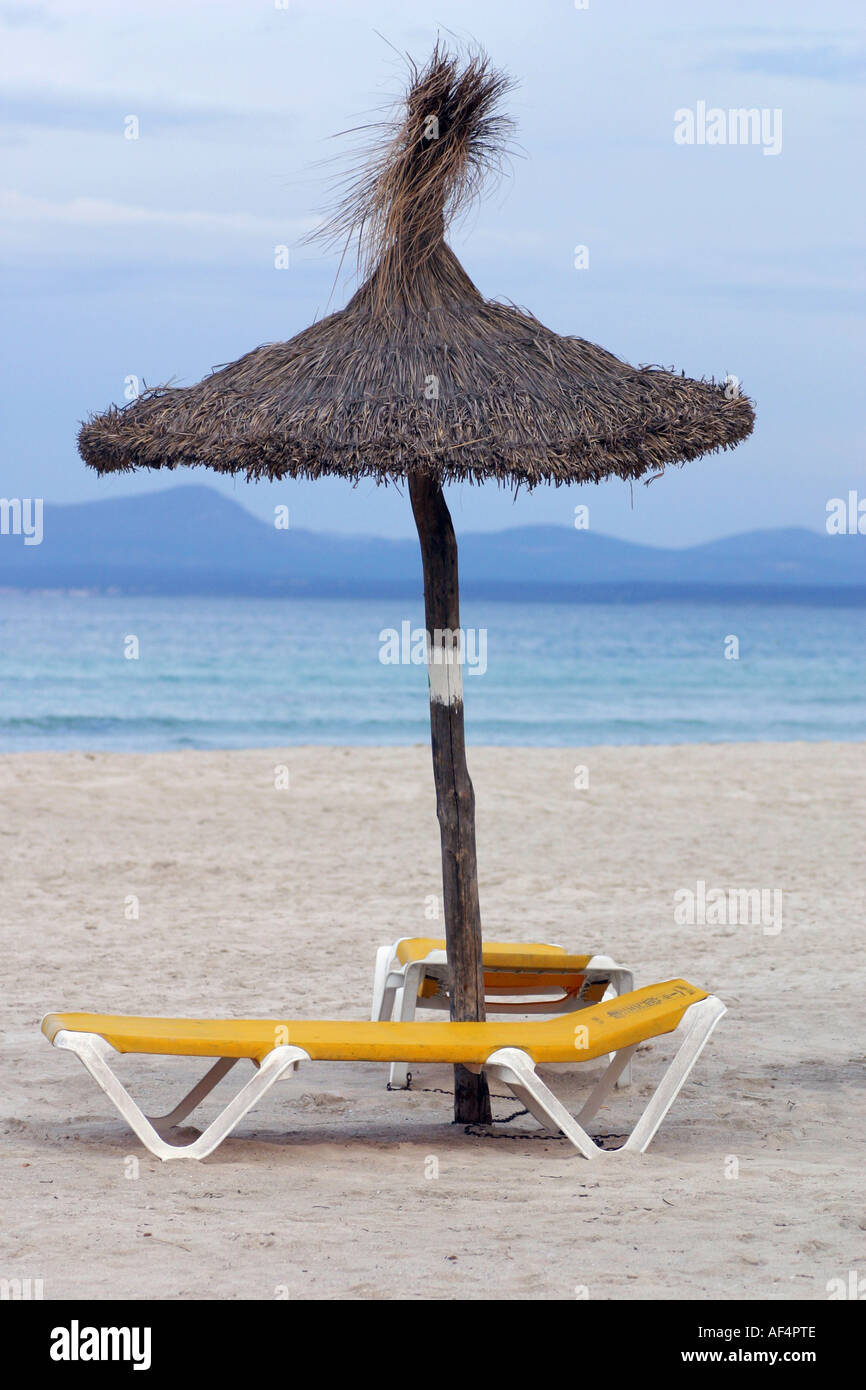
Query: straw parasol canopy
{"type": "Point", "coordinates": [515, 402]}
{"type": "Point", "coordinates": [421, 380]}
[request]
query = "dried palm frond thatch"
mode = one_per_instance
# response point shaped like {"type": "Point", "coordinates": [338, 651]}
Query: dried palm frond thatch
{"type": "Point", "coordinates": [420, 373]}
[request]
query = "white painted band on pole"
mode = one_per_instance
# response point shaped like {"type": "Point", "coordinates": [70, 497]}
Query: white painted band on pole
{"type": "Point", "coordinates": [445, 673]}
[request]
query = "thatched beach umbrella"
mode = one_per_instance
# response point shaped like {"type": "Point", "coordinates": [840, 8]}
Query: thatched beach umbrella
{"type": "Point", "coordinates": [419, 379]}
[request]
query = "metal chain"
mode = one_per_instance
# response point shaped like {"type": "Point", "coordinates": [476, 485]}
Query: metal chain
{"type": "Point", "coordinates": [437, 1090]}
{"type": "Point", "coordinates": [481, 1132]}
{"type": "Point", "coordinates": [440, 1091]}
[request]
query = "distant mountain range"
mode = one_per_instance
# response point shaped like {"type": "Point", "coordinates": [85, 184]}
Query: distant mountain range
{"type": "Point", "coordinates": [194, 540]}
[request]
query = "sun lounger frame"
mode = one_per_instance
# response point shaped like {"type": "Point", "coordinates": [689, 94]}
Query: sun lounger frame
{"type": "Point", "coordinates": [397, 993]}
{"type": "Point", "coordinates": [509, 1065]}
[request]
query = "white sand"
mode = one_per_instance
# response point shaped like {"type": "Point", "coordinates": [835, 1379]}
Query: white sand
{"type": "Point", "coordinates": [259, 901]}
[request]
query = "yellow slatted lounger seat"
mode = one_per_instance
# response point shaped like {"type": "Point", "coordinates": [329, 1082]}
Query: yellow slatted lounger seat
{"type": "Point", "coordinates": [508, 1051]}
{"type": "Point", "coordinates": [524, 977]}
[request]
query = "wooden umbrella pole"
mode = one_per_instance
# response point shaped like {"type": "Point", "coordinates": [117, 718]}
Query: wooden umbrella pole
{"type": "Point", "coordinates": [455, 798]}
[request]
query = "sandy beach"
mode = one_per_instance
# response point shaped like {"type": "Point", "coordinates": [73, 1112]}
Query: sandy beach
{"type": "Point", "coordinates": [253, 900]}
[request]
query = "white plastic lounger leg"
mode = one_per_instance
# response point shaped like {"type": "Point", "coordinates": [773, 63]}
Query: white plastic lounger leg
{"type": "Point", "coordinates": [621, 982]}
{"type": "Point", "coordinates": [387, 984]}
{"type": "Point", "coordinates": [619, 1063]}
{"type": "Point", "coordinates": [389, 1008]}
{"type": "Point", "coordinates": [516, 1069]}
{"type": "Point", "coordinates": [404, 1010]}
{"type": "Point", "coordinates": [384, 956]}
{"type": "Point", "coordinates": [195, 1097]}
{"type": "Point", "coordinates": [696, 1025]}
{"type": "Point", "coordinates": [94, 1052]}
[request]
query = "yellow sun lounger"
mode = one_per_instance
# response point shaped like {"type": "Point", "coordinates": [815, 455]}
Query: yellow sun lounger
{"type": "Point", "coordinates": [525, 977]}
{"type": "Point", "coordinates": [508, 1051]}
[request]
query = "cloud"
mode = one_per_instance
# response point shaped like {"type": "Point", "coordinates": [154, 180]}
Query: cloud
{"type": "Point", "coordinates": [27, 16]}
{"type": "Point", "coordinates": [105, 231]}
{"type": "Point", "coordinates": [53, 109]}
{"type": "Point", "coordinates": [826, 62]}
{"type": "Point", "coordinates": [101, 212]}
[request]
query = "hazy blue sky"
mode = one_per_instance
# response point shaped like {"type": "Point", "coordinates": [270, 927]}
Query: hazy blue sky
{"type": "Point", "coordinates": [155, 257]}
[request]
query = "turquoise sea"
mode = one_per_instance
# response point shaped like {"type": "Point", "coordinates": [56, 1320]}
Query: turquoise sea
{"type": "Point", "coordinates": [236, 672]}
